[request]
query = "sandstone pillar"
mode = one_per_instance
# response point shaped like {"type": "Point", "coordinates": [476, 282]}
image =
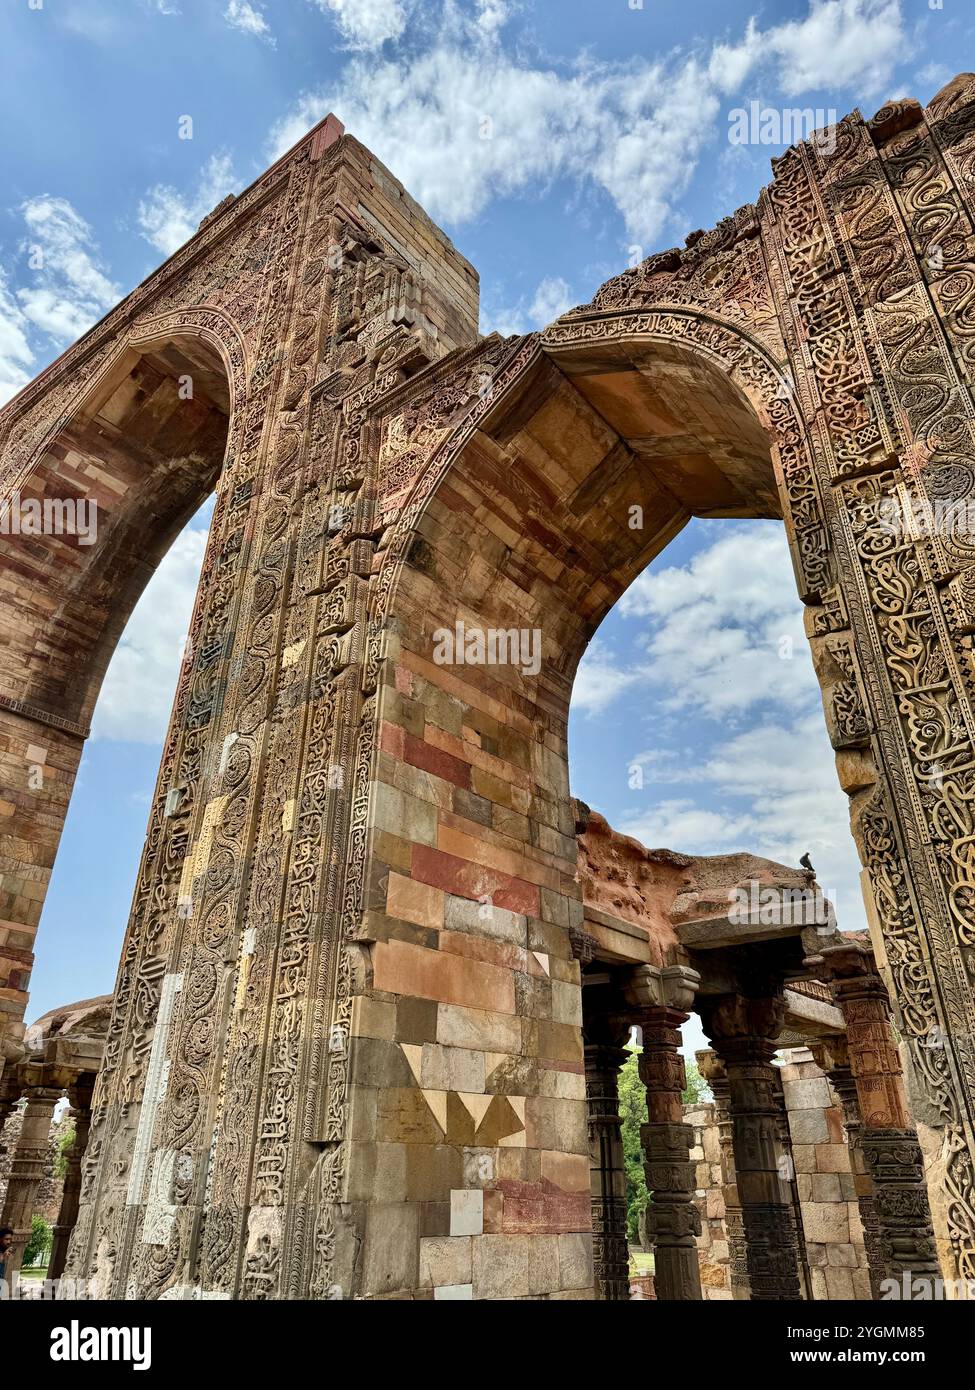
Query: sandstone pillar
{"type": "Point", "coordinates": [833, 1057]}
{"type": "Point", "coordinates": [604, 1055]}
{"type": "Point", "coordinates": [889, 1142]}
{"type": "Point", "coordinates": [27, 1168]}
{"type": "Point", "coordinates": [743, 1032]}
{"type": "Point", "coordinates": [711, 1067]}
{"type": "Point", "coordinates": [661, 1001]}
{"type": "Point", "coordinates": [80, 1097]}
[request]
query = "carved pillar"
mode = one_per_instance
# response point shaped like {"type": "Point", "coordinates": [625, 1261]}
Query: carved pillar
{"type": "Point", "coordinates": [661, 1001]}
{"type": "Point", "coordinates": [604, 1055]}
{"type": "Point", "coordinates": [711, 1067]}
{"type": "Point", "coordinates": [889, 1143]}
{"type": "Point", "coordinates": [80, 1098]}
{"type": "Point", "coordinates": [28, 1167]}
{"type": "Point", "coordinates": [833, 1058]}
{"type": "Point", "coordinates": [743, 1032]}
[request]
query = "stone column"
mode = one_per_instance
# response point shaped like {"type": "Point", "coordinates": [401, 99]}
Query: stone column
{"type": "Point", "coordinates": [604, 1055]}
{"type": "Point", "coordinates": [661, 1002]}
{"type": "Point", "coordinates": [889, 1143]}
{"type": "Point", "coordinates": [80, 1098]}
{"type": "Point", "coordinates": [833, 1059]}
{"type": "Point", "coordinates": [28, 1167]}
{"type": "Point", "coordinates": [711, 1067]}
{"type": "Point", "coordinates": [743, 1031]}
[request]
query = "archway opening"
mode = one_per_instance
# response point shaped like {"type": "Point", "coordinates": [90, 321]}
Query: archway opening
{"type": "Point", "coordinates": [87, 530]}
{"type": "Point", "coordinates": [579, 474]}
{"type": "Point", "coordinates": [111, 489]}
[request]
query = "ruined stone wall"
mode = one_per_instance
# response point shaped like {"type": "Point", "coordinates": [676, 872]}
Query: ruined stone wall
{"type": "Point", "coordinates": [823, 1181]}
{"type": "Point", "coordinates": [714, 1252]}
{"type": "Point", "coordinates": [347, 1019]}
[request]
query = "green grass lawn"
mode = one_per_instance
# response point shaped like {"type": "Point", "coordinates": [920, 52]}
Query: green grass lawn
{"type": "Point", "coordinates": [640, 1262]}
{"type": "Point", "coordinates": [35, 1272]}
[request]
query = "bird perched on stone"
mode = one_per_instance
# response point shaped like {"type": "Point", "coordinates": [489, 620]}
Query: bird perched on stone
{"type": "Point", "coordinates": [806, 863]}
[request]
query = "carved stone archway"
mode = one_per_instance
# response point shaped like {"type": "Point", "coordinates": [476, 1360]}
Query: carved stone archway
{"type": "Point", "coordinates": [346, 1055]}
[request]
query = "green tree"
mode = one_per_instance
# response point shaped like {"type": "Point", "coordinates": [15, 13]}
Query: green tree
{"type": "Point", "coordinates": [633, 1113]}
{"type": "Point", "coordinates": [65, 1141]}
{"type": "Point", "coordinates": [39, 1242]}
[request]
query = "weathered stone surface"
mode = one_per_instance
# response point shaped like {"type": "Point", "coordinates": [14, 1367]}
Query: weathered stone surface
{"type": "Point", "coordinates": [344, 760]}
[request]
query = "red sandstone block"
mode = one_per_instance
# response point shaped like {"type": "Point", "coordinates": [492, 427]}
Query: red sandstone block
{"type": "Point", "coordinates": [399, 967]}
{"type": "Point", "coordinates": [462, 748]}
{"type": "Point", "coordinates": [392, 739]}
{"type": "Point", "coordinates": [480, 948]}
{"type": "Point", "coordinates": [467, 880]}
{"type": "Point", "coordinates": [441, 764]}
{"type": "Point", "coordinates": [568, 1172]}
{"type": "Point", "coordinates": [543, 1209]}
{"type": "Point", "coordinates": [493, 1212]}
{"type": "Point", "coordinates": [553, 1064]}
{"type": "Point", "coordinates": [451, 498]}
{"type": "Point", "coordinates": [470, 693]}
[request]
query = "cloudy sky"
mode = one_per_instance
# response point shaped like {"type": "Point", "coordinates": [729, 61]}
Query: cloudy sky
{"type": "Point", "coordinates": [555, 141]}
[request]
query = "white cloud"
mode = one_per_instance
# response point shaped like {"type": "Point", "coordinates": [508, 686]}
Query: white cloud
{"type": "Point", "coordinates": [726, 629]}
{"type": "Point", "coordinates": [599, 679]}
{"type": "Point", "coordinates": [771, 790]}
{"type": "Point", "coordinates": [137, 694]}
{"type": "Point", "coordinates": [932, 77]}
{"type": "Point", "coordinates": [367, 24]}
{"type": "Point", "coordinates": [69, 290]}
{"type": "Point", "coordinates": [491, 15]}
{"type": "Point", "coordinates": [240, 14]}
{"type": "Point", "coordinates": [16, 356]}
{"type": "Point", "coordinates": [461, 120]}
{"type": "Point", "coordinates": [840, 43]}
{"type": "Point", "coordinates": [551, 299]}
{"type": "Point", "coordinates": [761, 777]}
{"type": "Point", "coordinates": [168, 218]}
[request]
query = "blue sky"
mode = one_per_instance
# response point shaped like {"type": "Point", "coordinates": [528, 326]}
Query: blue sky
{"type": "Point", "coordinates": [555, 142]}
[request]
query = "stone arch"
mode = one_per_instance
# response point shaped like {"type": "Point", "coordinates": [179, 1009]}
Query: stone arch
{"type": "Point", "coordinates": [585, 359]}
{"type": "Point", "coordinates": [316, 777]}
{"type": "Point", "coordinates": [517, 519]}
{"type": "Point", "coordinates": [135, 449]}
{"type": "Point", "coordinates": [760, 379]}
{"type": "Point", "coordinates": [224, 291]}
{"type": "Point", "coordinates": [174, 448]}
{"type": "Point", "coordinates": [837, 625]}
